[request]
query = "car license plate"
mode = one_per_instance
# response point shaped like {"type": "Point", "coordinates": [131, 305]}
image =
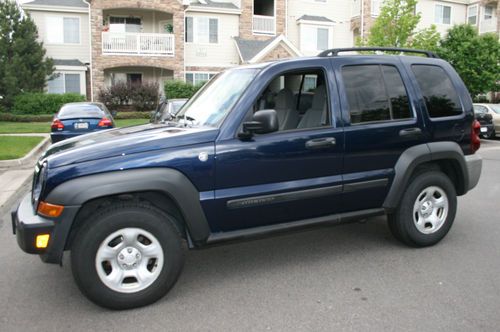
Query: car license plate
{"type": "Point", "coordinates": [484, 129]}
{"type": "Point", "coordinates": [81, 125]}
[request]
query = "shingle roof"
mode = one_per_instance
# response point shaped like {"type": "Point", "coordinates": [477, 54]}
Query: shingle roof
{"type": "Point", "coordinates": [68, 62]}
{"type": "Point", "coordinates": [214, 4]}
{"type": "Point", "coordinates": [250, 48]}
{"type": "Point", "coordinates": [60, 3]}
{"type": "Point", "coordinates": [314, 18]}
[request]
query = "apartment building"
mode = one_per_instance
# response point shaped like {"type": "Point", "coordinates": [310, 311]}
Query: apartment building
{"type": "Point", "coordinates": [157, 40]}
{"type": "Point", "coordinates": [63, 26]}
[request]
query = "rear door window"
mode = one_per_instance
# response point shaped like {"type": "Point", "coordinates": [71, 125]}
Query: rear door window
{"type": "Point", "coordinates": [375, 93]}
{"type": "Point", "coordinates": [441, 98]}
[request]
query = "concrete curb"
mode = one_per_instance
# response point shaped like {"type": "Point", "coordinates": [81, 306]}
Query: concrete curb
{"type": "Point", "coordinates": [30, 158]}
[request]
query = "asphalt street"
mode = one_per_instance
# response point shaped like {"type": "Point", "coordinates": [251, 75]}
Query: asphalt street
{"type": "Point", "coordinates": [353, 277]}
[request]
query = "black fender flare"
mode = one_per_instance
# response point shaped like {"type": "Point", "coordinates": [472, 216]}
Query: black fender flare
{"type": "Point", "coordinates": [412, 157]}
{"type": "Point", "coordinates": [170, 182]}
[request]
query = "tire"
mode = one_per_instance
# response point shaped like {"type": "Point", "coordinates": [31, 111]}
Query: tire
{"type": "Point", "coordinates": [137, 242]}
{"type": "Point", "coordinates": [426, 211]}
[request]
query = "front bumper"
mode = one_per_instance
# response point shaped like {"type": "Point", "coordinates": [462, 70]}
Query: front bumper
{"type": "Point", "coordinates": [26, 225]}
{"type": "Point", "coordinates": [474, 164]}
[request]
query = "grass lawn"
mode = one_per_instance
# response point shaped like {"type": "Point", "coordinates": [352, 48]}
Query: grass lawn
{"type": "Point", "coordinates": [13, 147]}
{"type": "Point", "coordinates": [44, 127]}
{"type": "Point", "coordinates": [24, 127]}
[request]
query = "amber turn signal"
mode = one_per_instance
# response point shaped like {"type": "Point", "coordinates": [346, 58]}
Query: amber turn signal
{"type": "Point", "coordinates": [42, 241]}
{"type": "Point", "coordinates": [50, 210]}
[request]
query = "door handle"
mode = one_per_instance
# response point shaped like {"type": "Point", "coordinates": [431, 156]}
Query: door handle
{"type": "Point", "coordinates": [319, 143]}
{"type": "Point", "coordinates": [410, 132]}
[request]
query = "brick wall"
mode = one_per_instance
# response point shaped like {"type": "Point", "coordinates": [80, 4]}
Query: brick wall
{"type": "Point", "coordinates": [102, 62]}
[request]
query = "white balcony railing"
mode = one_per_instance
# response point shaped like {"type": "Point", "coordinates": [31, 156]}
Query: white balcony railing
{"type": "Point", "coordinates": [264, 24]}
{"type": "Point", "coordinates": [138, 43]}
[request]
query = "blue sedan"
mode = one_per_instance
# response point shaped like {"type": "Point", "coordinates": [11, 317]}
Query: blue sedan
{"type": "Point", "coordinates": [75, 119]}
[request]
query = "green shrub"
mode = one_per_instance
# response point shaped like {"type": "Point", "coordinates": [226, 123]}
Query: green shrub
{"type": "Point", "coordinates": [25, 118]}
{"type": "Point", "coordinates": [132, 115]}
{"type": "Point", "coordinates": [142, 97]}
{"type": "Point", "coordinates": [180, 89]}
{"type": "Point", "coordinates": [43, 103]}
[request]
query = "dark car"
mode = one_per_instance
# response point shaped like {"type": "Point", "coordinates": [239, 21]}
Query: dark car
{"type": "Point", "coordinates": [386, 135]}
{"type": "Point", "coordinates": [486, 121]}
{"type": "Point", "coordinates": [75, 119]}
{"type": "Point", "coordinates": [167, 110]}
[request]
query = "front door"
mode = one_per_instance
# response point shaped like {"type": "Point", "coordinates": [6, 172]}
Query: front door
{"type": "Point", "coordinates": [292, 174]}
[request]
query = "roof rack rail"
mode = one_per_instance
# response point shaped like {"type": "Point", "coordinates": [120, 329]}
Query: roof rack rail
{"type": "Point", "coordinates": [336, 51]}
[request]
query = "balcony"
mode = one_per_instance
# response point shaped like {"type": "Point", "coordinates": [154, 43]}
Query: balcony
{"type": "Point", "coordinates": [135, 43]}
{"type": "Point", "coordinates": [264, 24]}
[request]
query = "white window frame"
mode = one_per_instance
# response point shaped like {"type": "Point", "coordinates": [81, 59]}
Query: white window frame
{"type": "Point", "coordinates": [469, 9]}
{"type": "Point", "coordinates": [63, 75]}
{"type": "Point", "coordinates": [490, 15]}
{"type": "Point", "coordinates": [49, 28]}
{"type": "Point", "coordinates": [375, 7]}
{"type": "Point", "coordinates": [195, 30]}
{"type": "Point", "coordinates": [306, 26]}
{"type": "Point", "coordinates": [208, 73]}
{"type": "Point", "coordinates": [440, 21]}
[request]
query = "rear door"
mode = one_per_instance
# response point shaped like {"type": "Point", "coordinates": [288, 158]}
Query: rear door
{"type": "Point", "coordinates": [381, 121]}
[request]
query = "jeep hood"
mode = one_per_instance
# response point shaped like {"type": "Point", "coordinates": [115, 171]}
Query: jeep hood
{"type": "Point", "coordinates": [125, 141]}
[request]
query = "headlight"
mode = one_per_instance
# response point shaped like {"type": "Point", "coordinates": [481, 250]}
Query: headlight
{"type": "Point", "coordinates": [38, 183]}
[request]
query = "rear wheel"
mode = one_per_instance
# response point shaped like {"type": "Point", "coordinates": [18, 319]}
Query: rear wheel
{"type": "Point", "coordinates": [128, 255]}
{"type": "Point", "coordinates": [426, 211]}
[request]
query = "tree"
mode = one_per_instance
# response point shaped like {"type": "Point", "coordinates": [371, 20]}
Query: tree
{"type": "Point", "coordinates": [396, 27]}
{"type": "Point", "coordinates": [475, 57]}
{"type": "Point", "coordinates": [23, 66]}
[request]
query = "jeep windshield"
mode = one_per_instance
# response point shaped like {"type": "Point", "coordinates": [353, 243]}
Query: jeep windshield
{"type": "Point", "coordinates": [215, 99]}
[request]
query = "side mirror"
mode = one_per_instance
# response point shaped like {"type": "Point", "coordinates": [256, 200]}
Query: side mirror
{"type": "Point", "coordinates": [263, 122]}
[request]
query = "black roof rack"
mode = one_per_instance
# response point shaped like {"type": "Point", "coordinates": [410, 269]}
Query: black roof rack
{"type": "Point", "coordinates": [336, 51]}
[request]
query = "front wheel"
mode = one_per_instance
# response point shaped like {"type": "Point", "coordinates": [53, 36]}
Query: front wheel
{"type": "Point", "coordinates": [426, 211]}
{"type": "Point", "coordinates": [128, 255]}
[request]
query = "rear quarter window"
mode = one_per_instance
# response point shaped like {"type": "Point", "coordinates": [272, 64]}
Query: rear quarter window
{"type": "Point", "coordinates": [441, 98]}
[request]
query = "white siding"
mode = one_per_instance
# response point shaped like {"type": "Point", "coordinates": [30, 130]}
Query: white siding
{"type": "Point", "coordinates": [339, 11]}
{"type": "Point", "coordinates": [427, 8]}
{"type": "Point", "coordinates": [79, 51]}
{"type": "Point", "coordinates": [222, 54]}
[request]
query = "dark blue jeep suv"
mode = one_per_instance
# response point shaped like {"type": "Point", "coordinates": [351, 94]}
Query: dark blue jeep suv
{"type": "Point", "coordinates": [259, 150]}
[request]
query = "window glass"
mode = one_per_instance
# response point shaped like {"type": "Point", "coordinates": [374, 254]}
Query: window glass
{"type": "Point", "coordinates": [72, 82]}
{"type": "Point", "coordinates": [56, 85]}
{"type": "Point", "coordinates": [322, 39]}
{"type": "Point", "coordinates": [375, 93]}
{"type": "Point", "coordinates": [213, 30]}
{"type": "Point", "coordinates": [440, 96]}
{"type": "Point", "coordinates": [71, 30]}
{"type": "Point", "coordinates": [297, 108]}
{"type": "Point", "coordinates": [190, 78]}
{"type": "Point", "coordinates": [488, 12]}
{"type": "Point", "coordinates": [189, 29]}
{"type": "Point", "coordinates": [443, 14]}
{"type": "Point", "coordinates": [480, 109]}
{"type": "Point", "coordinates": [472, 15]}
{"type": "Point", "coordinates": [80, 110]}
{"type": "Point", "coordinates": [202, 30]}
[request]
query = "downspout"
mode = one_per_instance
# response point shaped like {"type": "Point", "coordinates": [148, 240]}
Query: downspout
{"type": "Point", "coordinates": [362, 20]}
{"type": "Point", "coordinates": [90, 53]}
{"type": "Point", "coordinates": [184, 43]}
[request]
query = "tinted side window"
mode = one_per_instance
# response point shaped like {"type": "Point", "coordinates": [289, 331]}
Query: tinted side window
{"type": "Point", "coordinates": [440, 96]}
{"type": "Point", "coordinates": [375, 93]}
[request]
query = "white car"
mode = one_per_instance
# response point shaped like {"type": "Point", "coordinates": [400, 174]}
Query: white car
{"type": "Point", "coordinates": [494, 110]}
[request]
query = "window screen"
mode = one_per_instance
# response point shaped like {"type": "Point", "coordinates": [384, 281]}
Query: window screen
{"type": "Point", "coordinates": [189, 29]}
{"type": "Point", "coordinates": [375, 93]}
{"type": "Point", "coordinates": [56, 85]}
{"type": "Point", "coordinates": [440, 96]}
{"type": "Point", "coordinates": [213, 30]}
{"type": "Point", "coordinates": [72, 82]}
{"type": "Point", "coordinates": [322, 39]}
{"type": "Point", "coordinates": [71, 30]}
